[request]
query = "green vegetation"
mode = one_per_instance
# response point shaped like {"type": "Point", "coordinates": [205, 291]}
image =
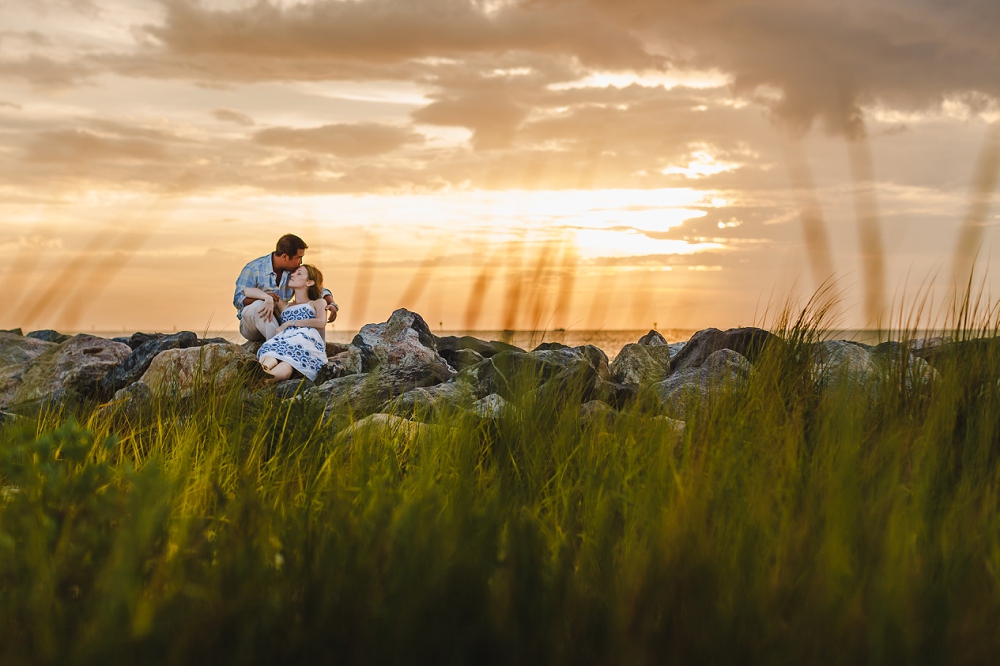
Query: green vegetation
{"type": "Point", "coordinates": [785, 525]}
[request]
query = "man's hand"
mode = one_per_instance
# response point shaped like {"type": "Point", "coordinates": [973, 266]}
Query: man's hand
{"type": "Point", "coordinates": [267, 311]}
{"type": "Point", "coordinates": [332, 309]}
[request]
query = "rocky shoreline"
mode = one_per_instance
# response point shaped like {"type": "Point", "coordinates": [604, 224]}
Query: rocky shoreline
{"type": "Point", "coordinates": [399, 369]}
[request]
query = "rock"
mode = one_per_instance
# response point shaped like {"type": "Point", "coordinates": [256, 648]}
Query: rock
{"type": "Point", "coordinates": [130, 400]}
{"type": "Point", "coordinates": [13, 331]}
{"type": "Point", "coordinates": [290, 388]}
{"type": "Point", "coordinates": [390, 382]}
{"type": "Point", "coordinates": [334, 348]}
{"type": "Point", "coordinates": [15, 348]}
{"type": "Point", "coordinates": [343, 364]}
{"type": "Point", "coordinates": [641, 364]}
{"type": "Point", "coordinates": [564, 355]}
{"type": "Point", "coordinates": [849, 366]}
{"type": "Point", "coordinates": [492, 406]}
{"type": "Point", "coordinates": [464, 358]}
{"type": "Point", "coordinates": [135, 392]}
{"type": "Point", "coordinates": [366, 394]}
{"type": "Point", "coordinates": [211, 341]}
{"type": "Point", "coordinates": [77, 366]}
{"type": "Point", "coordinates": [653, 339]}
{"type": "Point", "coordinates": [182, 370]}
{"type": "Point", "coordinates": [597, 414]}
{"type": "Point", "coordinates": [843, 365]}
{"type": "Point", "coordinates": [48, 335]}
{"type": "Point", "coordinates": [405, 339]}
{"type": "Point", "coordinates": [748, 342]}
{"type": "Point", "coordinates": [550, 346]}
{"type": "Point", "coordinates": [928, 348]}
{"type": "Point", "coordinates": [617, 395]}
{"type": "Point", "coordinates": [252, 346]}
{"type": "Point", "coordinates": [335, 393]}
{"type": "Point", "coordinates": [510, 372]}
{"type": "Point", "coordinates": [449, 345]}
{"type": "Point", "coordinates": [433, 399]}
{"type": "Point", "coordinates": [136, 340]}
{"type": "Point", "coordinates": [388, 428]}
{"type": "Point", "coordinates": [675, 348]}
{"type": "Point", "coordinates": [138, 362]}
{"type": "Point", "coordinates": [683, 391]}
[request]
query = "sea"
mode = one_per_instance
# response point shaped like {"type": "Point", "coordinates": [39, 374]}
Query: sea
{"type": "Point", "coordinates": [610, 341]}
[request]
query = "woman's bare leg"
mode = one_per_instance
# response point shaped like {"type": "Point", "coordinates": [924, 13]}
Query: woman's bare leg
{"type": "Point", "coordinates": [268, 363]}
{"type": "Point", "coordinates": [281, 371]}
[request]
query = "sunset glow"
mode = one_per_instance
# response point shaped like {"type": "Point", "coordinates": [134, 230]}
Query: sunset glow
{"type": "Point", "coordinates": [149, 149]}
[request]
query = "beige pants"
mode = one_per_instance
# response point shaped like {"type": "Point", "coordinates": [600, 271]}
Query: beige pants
{"type": "Point", "coordinates": [253, 327]}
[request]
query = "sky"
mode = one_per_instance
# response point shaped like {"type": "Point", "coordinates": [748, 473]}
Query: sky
{"type": "Point", "coordinates": [495, 164]}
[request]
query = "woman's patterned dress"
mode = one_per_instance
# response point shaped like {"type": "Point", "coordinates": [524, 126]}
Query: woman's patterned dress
{"type": "Point", "coordinates": [301, 346]}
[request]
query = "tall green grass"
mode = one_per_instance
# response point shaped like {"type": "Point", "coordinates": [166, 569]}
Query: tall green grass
{"type": "Point", "coordinates": [785, 525]}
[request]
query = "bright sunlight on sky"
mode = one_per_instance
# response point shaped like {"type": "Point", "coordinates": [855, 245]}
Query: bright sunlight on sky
{"type": "Point", "coordinates": [583, 164]}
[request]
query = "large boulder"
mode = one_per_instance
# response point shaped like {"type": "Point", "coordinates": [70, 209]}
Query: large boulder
{"type": "Point", "coordinates": [391, 382]}
{"type": "Point", "coordinates": [405, 339]}
{"type": "Point", "coordinates": [748, 342]}
{"type": "Point", "coordinates": [563, 355]}
{"type": "Point", "coordinates": [139, 360]}
{"type": "Point", "coordinates": [862, 371]}
{"type": "Point", "coordinates": [451, 346]}
{"type": "Point", "coordinates": [48, 335]}
{"type": "Point", "coordinates": [685, 390]}
{"type": "Point", "coordinates": [433, 400]}
{"type": "Point", "coordinates": [77, 366]}
{"type": "Point", "coordinates": [653, 339]}
{"type": "Point", "coordinates": [365, 394]}
{"type": "Point", "coordinates": [336, 393]}
{"type": "Point", "coordinates": [16, 348]}
{"type": "Point", "coordinates": [492, 406]}
{"type": "Point", "coordinates": [641, 364]}
{"type": "Point", "coordinates": [342, 364]}
{"type": "Point", "coordinates": [840, 365]}
{"type": "Point", "coordinates": [182, 370]}
{"type": "Point", "coordinates": [509, 372]}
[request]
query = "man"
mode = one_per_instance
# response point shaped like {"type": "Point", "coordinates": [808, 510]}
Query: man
{"type": "Point", "coordinates": [270, 274]}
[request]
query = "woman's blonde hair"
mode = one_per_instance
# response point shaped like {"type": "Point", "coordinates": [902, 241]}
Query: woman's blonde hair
{"type": "Point", "coordinates": [315, 292]}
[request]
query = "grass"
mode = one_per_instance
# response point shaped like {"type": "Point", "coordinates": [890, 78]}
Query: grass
{"type": "Point", "coordinates": [786, 525]}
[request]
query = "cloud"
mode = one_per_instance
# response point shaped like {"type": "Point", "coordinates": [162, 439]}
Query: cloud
{"type": "Point", "coordinates": [81, 146]}
{"type": "Point", "coordinates": [46, 72]}
{"type": "Point", "coordinates": [827, 60]}
{"type": "Point", "coordinates": [395, 31]}
{"type": "Point", "coordinates": [226, 115]}
{"type": "Point", "coordinates": [492, 116]}
{"type": "Point", "coordinates": [342, 140]}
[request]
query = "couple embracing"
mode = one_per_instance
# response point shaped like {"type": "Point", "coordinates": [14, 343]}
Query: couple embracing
{"type": "Point", "coordinates": [281, 301]}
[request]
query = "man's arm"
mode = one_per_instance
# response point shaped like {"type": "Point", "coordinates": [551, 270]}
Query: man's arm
{"type": "Point", "coordinates": [331, 306]}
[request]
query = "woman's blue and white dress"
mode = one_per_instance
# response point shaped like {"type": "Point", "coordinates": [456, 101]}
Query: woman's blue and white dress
{"type": "Point", "coordinates": [301, 346]}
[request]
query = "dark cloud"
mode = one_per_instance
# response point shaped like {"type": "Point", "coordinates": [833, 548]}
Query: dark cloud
{"type": "Point", "coordinates": [229, 116]}
{"type": "Point", "coordinates": [343, 140]}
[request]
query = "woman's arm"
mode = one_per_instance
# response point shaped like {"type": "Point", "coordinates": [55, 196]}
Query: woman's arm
{"type": "Point", "coordinates": [256, 294]}
{"type": "Point", "coordinates": [318, 321]}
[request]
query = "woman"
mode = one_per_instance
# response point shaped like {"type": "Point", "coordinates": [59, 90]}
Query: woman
{"type": "Point", "coordinates": [299, 341]}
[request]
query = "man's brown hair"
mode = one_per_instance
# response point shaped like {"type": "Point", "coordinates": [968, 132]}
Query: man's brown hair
{"type": "Point", "coordinates": [289, 245]}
